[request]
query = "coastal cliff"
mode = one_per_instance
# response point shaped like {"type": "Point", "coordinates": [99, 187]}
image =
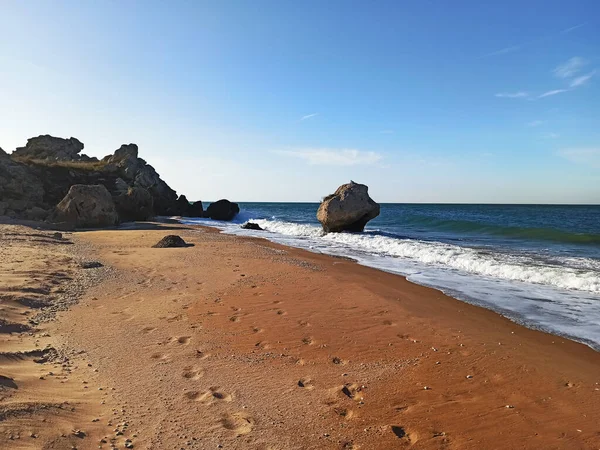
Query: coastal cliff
{"type": "Point", "coordinates": [35, 178]}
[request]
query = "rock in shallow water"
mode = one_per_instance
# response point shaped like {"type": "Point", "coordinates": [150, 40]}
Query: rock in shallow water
{"type": "Point", "coordinates": [222, 210]}
{"type": "Point", "coordinates": [252, 226]}
{"type": "Point", "coordinates": [348, 209]}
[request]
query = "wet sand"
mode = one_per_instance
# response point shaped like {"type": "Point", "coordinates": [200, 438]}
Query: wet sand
{"type": "Point", "coordinates": [242, 343]}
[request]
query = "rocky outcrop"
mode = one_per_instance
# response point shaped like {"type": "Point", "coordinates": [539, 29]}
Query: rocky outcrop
{"type": "Point", "coordinates": [135, 203]}
{"type": "Point", "coordinates": [171, 241]}
{"type": "Point", "coordinates": [196, 210]}
{"type": "Point", "coordinates": [51, 148]}
{"type": "Point", "coordinates": [86, 206]}
{"type": "Point", "coordinates": [20, 190]}
{"type": "Point", "coordinates": [252, 226]}
{"type": "Point", "coordinates": [348, 209]}
{"type": "Point", "coordinates": [222, 210]}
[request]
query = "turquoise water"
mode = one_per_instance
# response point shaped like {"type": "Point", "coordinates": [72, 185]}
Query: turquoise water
{"type": "Point", "coordinates": [536, 264]}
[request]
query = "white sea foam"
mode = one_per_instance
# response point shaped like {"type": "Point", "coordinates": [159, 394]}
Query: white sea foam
{"type": "Point", "coordinates": [474, 261]}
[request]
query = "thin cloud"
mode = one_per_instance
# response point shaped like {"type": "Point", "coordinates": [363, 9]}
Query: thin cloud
{"type": "Point", "coordinates": [553, 92]}
{"type": "Point", "coordinates": [504, 51]}
{"type": "Point", "coordinates": [535, 123]}
{"type": "Point", "coordinates": [584, 155]}
{"type": "Point", "coordinates": [580, 81]}
{"type": "Point", "coordinates": [570, 68]}
{"type": "Point", "coordinates": [520, 94]}
{"type": "Point", "coordinates": [573, 28]}
{"type": "Point", "coordinates": [308, 116]}
{"type": "Point", "coordinates": [333, 157]}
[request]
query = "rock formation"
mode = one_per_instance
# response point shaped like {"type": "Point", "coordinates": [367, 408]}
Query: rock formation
{"type": "Point", "coordinates": [252, 226]}
{"type": "Point", "coordinates": [135, 203]}
{"type": "Point", "coordinates": [20, 190]}
{"type": "Point", "coordinates": [87, 206]}
{"type": "Point", "coordinates": [222, 210]}
{"type": "Point", "coordinates": [348, 209]}
{"type": "Point", "coordinates": [35, 178]}
{"type": "Point", "coordinates": [171, 241]}
{"type": "Point", "coordinates": [51, 148]}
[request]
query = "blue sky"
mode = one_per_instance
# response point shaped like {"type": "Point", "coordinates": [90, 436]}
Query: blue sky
{"type": "Point", "coordinates": [424, 101]}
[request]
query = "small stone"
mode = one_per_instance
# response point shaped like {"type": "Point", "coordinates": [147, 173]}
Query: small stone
{"type": "Point", "coordinates": [469, 376]}
{"type": "Point", "coordinates": [427, 388]}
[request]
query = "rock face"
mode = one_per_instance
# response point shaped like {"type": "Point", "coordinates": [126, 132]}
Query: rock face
{"type": "Point", "coordinates": [222, 210]}
{"type": "Point", "coordinates": [196, 210]}
{"type": "Point", "coordinates": [20, 190]}
{"type": "Point", "coordinates": [170, 241]}
{"type": "Point", "coordinates": [348, 209]}
{"type": "Point", "coordinates": [135, 203]}
{"type": "Point", "coordinates": [87, 206]}
{"type": "Point", "coordinates": [50, 148]}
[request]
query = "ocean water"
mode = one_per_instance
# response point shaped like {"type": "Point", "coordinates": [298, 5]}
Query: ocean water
{"type": "Point", "coordinates": [538, 265]}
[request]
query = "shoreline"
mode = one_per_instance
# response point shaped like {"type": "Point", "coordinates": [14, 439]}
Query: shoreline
{"type": "Point", "coordinates": [456, 295]}
{"type": "Point", "coordinates": [245, 343]}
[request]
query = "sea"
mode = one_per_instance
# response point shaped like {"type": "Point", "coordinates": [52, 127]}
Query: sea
{"type": "Point", "coordinates": [538, 265]}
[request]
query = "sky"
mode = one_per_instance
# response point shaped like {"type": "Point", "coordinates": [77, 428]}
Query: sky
{"type": "Point", "coordinates": [423, 101]}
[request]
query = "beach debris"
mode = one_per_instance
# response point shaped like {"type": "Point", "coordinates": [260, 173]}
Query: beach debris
{"type": "Point", "coordinates": [348, 209]}
{"type": "Point", "coordinates": [426, 388]}
{"type": "Point", "coordinates": [171, 241]}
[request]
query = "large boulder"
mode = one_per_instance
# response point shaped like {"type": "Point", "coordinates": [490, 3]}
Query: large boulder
{"type": "Point", "coordinates": [348, 209]}
{"type": "Point", "coordinates": [51, 148]}
{"type": "Point", "coordinates": [86, 206]}
{"type": "Point", "coordinates": [134, 204]}
{"type": "Point", "coordinates": [222, 210]}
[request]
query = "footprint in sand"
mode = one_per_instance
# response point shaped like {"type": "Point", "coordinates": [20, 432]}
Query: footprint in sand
{"type": "Point", "coordinates": [343, 412]}
{"type": "Point", "coordinates": [308, 340]}
{"type": "Point", "coordinates": [192, 373]}
{"type": "Point", "coordinates": [147, 330]}
{"type": "Point", "coordinates": [159, 356]}
{"type": "Point", "coordinates": [240, 423]}
{"type": "Point", "coordinates": [281, 312]}
{"type": "Point", "coordinates": [257, 330]}
{"type": "Point", "coordinates": [213, 395]}
{"type": "Point", "coordinates": [303, 323]}
{"type": "Point", "coordinates": [234, 319]}
{"type": "Point", "coordinates": [262, 345]}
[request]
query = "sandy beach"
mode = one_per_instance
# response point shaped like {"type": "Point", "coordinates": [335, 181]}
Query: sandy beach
{"type": "Point", "coordinates": [241, 343]}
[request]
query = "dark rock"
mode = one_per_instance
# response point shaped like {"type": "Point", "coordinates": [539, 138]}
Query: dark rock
{"type": "Point", "coordinates": [252, 226]}
{"type": "Point", "coordinates": [50, 148]}
{"type": "Point", "coordinates": [91, 264]}
{"type": "Point", "coordinates": [196, 210]}
{"type": "Point", "coordinates": [86, 206]}
{"type": "Point", "coordinates": [348, 209]}
{"type": "Point", "coordinates": [182, 206]}
{"type": "Point", "coordinates": [20, 190]}
{"type": "Point", "coordinates": [171, 240]}
{"type": "Point", "coordinates": [222, 210]}
{"type": "Point", "coordinates": [134, 204]}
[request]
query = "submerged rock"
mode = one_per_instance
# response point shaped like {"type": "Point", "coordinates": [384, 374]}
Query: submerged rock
{"type": "Point", "coordinates": [222, 210]}
{"type": "Point", "coordinates": [348, 209]}
{"type": "Point", "coordinates": [170, 241]}
{"type": "Point", "coordinates": [86, 206]}
{"type": "Point", "coordinates": [252, 226]}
